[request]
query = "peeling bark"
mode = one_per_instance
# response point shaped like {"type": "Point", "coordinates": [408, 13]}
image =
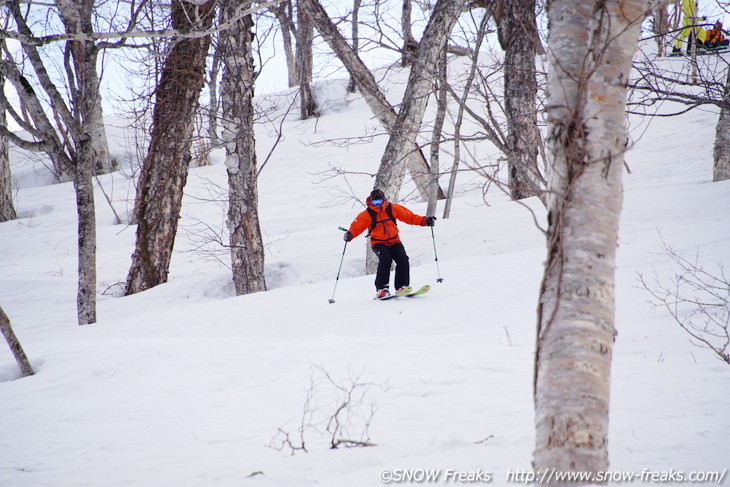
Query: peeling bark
{"type": "Point", "coordinates": [165, 169]}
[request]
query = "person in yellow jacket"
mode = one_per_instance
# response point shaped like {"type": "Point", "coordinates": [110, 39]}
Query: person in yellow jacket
{"type": "Point", "coordinates": [689, 28]}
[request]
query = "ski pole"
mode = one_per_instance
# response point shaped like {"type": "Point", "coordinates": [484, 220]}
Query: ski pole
{"type": "Point", "coordinates": [438, 271]}
{"type": "Point", "coordinates": [332, 299]}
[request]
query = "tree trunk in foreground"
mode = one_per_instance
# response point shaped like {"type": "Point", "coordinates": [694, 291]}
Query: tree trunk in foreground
{"type": "Point", "coordinates": [591, 45]}
{"type": "Point", "coordinates": [165, 169]}
{"type": "Point", "coordinates": [247, 246]}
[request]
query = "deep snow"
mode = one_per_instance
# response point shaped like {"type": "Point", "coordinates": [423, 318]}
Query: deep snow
{"type": "Point", "coordinates": [188, 385]}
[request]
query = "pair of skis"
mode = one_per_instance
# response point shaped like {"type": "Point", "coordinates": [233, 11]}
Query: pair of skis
{"type": "Point", "coordinates": [406, 293]}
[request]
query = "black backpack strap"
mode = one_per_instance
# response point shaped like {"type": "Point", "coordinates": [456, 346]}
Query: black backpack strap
{"type": "Point", "coordinates": [371, 212]}
{"type": "Point", "coordinates": [388, 210]}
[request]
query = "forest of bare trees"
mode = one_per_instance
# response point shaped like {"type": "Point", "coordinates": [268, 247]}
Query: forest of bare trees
{"type": "Point", "coordinates": [554, 107]}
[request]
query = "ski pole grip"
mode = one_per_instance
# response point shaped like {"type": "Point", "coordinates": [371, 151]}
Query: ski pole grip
{"type": "Point", "coordinates": [343, 229]}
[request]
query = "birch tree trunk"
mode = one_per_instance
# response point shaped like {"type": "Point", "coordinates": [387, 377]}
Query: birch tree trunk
{"type": "Point", "coordinates": [355, 39]}
{"type": "Point", "coordinates": [77, 142]}
{"type": "Point", "coordinates": [408, 124]}
{"type": "Point", "coordinates": [7, 209]}
{"type": "Point", "coordinates": [213, 104]}
{"type": "Point", "coordinates": [518, 36]}
{"type": "Point", "coordinates": [403, 136]}
{"type": "Point", "coordinates": [76, 17]}
{"type": "Point", "coordinates": [382, 110]}
{"type": "Point", "coordinates": [660, 27]}
{"type": "Point", "coordinates": [165, 169]}
{"type": "Point", "coordinates": [17, 350]}
{"type": "Point", "coordinates": [247, 246]}
{"type": "Point", "coordinates": [590, 49]}
{"type": "Point", "coordinates": [305, 60]}
{"type": "Point", "coordinates": [410, 45]}
{"type": "Point", "coordinates": [85, 208]}
{"type": "Point", "coordinates": [721, 153]}
{"type": "Point", "coordinates": [282, 12]}
{"type": "Point", "coordinates": [474, 55]}
{"type": "Point", "coordinates": [92, 153]}
{"type": "Point", "coordinates": [438, 126]}
{"type": "Point", "coordinates": [41, 128]}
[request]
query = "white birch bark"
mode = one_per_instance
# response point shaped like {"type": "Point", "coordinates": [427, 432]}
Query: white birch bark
{"type": "Point", "coordinates": [590, 49]}
{"type": "Point", "coordinates": [237, 85]}
{"type": "Point", "coordinates": [721, 153]}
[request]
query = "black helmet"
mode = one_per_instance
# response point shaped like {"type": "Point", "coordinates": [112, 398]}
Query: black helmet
{"type": "Point", "coordinates": [377, 195]}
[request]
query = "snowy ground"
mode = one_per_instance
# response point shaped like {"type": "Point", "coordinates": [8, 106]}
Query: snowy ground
{"type": "Point", "coordinates": [188, 385]}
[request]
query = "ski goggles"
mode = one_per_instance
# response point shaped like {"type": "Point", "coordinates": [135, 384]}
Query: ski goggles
{"type": "Point", "coordinates": [377, 202]}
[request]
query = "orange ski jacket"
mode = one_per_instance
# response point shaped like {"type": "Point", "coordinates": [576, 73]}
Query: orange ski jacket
{"type": "Point", "coordinates": [714, 36]}
{"type": "Point", "coordinates": [385, 230]}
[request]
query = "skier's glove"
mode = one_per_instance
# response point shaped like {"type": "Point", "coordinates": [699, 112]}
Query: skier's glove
{"type": "Point", "coordinates": [347, 236]}
{"type": "Point", "coordinates": [431, 221]}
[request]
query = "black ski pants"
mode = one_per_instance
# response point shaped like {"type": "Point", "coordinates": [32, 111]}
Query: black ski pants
{"type": "Point", "coordinates": [386, 256]}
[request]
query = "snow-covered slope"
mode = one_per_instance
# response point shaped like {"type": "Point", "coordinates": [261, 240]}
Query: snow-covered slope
{"type": "Point", "coordinates": [188, 385]}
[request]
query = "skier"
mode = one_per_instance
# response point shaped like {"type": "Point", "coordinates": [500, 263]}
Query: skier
{"type": "Point", "coordinates": [380, 217]}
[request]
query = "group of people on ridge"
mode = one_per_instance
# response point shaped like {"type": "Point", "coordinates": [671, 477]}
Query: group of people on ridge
{"type": "Point", "coordinates": [707, 40]}
{"type": "Point", "coordinates": [712, 39]}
